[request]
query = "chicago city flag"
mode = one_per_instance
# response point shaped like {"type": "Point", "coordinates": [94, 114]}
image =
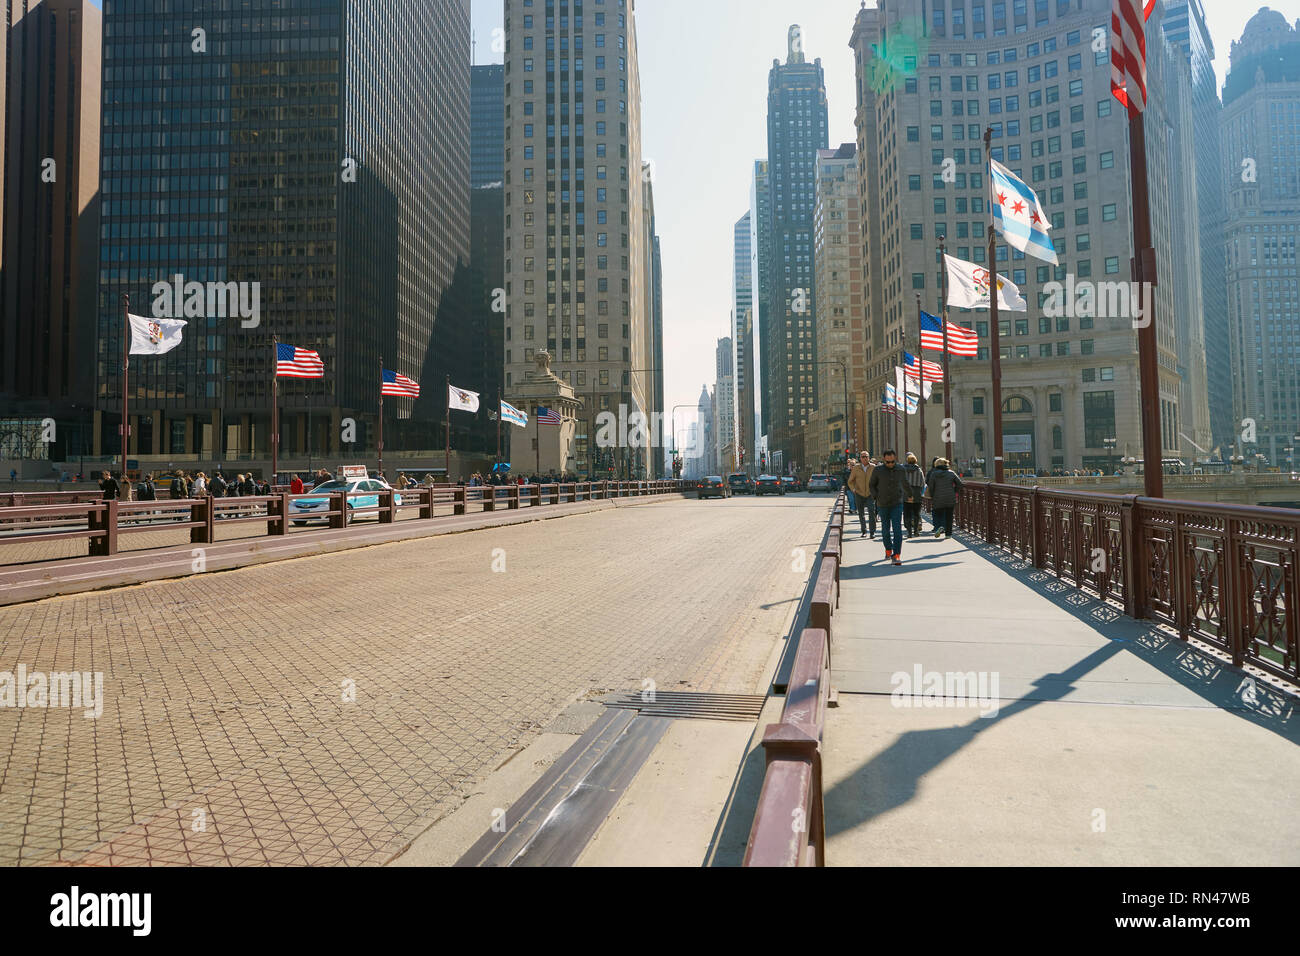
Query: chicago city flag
{"type": "Point", "coordinates": [1019, 216]}
{"type": "Point", "coordinates": [513, 415]}
{"type": "Point", "coordinates": [968, 288]}
{"type": "Point", "coordinates": [154, 336]}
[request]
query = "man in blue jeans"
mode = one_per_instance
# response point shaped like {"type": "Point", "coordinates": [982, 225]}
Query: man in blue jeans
{"type": "Point", "coordinates": [890, 489]}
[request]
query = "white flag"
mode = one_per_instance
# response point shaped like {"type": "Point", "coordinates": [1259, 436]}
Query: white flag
{"type": "Point", "coordinates": [460, 400]}
{"type": "Point", "coordinates": [154, 336]}
{"type": "Point", "coordinates": [968, 288]}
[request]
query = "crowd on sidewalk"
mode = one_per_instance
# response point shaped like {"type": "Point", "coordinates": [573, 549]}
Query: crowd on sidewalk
{"type": "Point", "coordinates": [894, 493]}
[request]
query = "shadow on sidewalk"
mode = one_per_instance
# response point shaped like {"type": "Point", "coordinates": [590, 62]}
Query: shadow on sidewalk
{"type": "Point", "coordinates": [891, 778]}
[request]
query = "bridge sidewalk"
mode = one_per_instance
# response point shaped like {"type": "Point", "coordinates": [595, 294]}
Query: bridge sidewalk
{"type": "Point", "coordinates": [1100, 741]}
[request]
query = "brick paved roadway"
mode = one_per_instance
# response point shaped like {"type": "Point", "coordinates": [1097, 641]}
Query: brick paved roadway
{"type": "Point", "coordinates": [225, 737]}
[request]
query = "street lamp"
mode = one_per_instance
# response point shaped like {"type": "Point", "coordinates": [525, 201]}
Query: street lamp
{"type": "Point", "coordinates": [978, 463]}
{"type": "Point", "coordinates": [1111, 444]}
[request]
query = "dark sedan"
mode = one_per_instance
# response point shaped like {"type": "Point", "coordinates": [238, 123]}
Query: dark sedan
{"type": "Point", "coordinates": [769, 485]}
{"type": "Point", "coordinates": [713, 487]}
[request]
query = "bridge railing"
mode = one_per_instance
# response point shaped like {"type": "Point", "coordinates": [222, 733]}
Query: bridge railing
{"type": "Point", "coordinates": [101, 523]}
{"type": "Point", "coordinates": [789, 823]}
{"type": "Point", "coordinates": [1227, 575]}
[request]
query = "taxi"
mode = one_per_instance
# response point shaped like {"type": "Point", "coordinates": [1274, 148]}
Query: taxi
{"type": "Point", "coordinates": [363, 492]}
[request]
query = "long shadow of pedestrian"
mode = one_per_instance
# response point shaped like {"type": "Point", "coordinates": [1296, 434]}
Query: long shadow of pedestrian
{"type": "Point", "coordinates": [891, 778]}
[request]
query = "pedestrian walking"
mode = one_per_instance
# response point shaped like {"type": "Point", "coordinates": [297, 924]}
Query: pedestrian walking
{"type": "Point", "coordinates": [219, 485]}
{"type": "Point", "coordinates": [890, 489]}
{"type": "Point", "coordinates": [200, 487]}
{"type": "Point", "coordinates": [109, 486]}
{"type": "Point", "coordinates": [859, 483]}
{"type": "Point", "coordinates": [296, 486]}
{"type": "Point", "coordinates": [912, 509]}
{"type": "Point", "coordinates": [944, 488]}
{"type": "Point", "coordinates": [13, 475]}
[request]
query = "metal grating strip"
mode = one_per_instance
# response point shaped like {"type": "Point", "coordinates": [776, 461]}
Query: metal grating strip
{"type": "Point", "coordinates": [691, 705]}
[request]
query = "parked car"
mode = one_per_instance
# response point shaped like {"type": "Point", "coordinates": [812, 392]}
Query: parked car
{"type": "Point", "coordinates": [362, 493]}
{"type": "Point", "coordinates": [769, 485]}
{"type": "Point", "coordinates": [740, 484]}
{"type": "Point", "coordinates": [714, 487]}
{"type": "Point", "coordinates": [820, 483]}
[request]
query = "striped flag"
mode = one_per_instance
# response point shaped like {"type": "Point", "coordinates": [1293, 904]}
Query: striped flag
{"type": "Point", "coordinates": [1019, 216]}
{"type": "Point", "coordinates": [927, 371]}
{"type": "Point", "coordinates": [513, 415]}
{"type": "Point", "coordinates": [961, 341]}
{"type": "Point", "coordinates": [400, 385]}
{"type": "Point", "coordinates": [293, 362]}
{"type": "Point", "coordinates": [547, 417]}
{"type": "Point", "coordinates": [1128, 53]}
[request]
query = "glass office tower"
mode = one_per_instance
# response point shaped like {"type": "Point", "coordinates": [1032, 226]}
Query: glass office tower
{"type": "Point", "coordinates": [316, 154]}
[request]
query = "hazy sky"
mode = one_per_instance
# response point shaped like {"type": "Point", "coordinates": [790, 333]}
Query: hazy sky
{"type": "Point", "coordinates": [704, 66]}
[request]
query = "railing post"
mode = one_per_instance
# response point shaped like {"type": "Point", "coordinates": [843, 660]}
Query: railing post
{"type": "Point", "coordinates": [426, 502]}
{"type": "Point", "coordinates": [458, 500]}
{"type": "Point", "coordinates": [490, 498]}
{"type": "Point", "coordinates": [104, 521]}
{"type": "Point", "coordinates": [1035, 530]}
{"type": "Point", "coordinates": [988, 512]}
{"type": "Point", "coordinates": [513, 504]}
{"type": "Point", "coordinates": [387, 507]}
{"type": "Point", "coordinates": [201, 510]}
{"type": "Point", "coordinates": [339, 503]}
{"type": "Point", "coordinates": [1130, 539]}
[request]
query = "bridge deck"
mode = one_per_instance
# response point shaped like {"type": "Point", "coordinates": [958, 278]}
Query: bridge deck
{"type": "Point", "coordinates": [1109, 743]}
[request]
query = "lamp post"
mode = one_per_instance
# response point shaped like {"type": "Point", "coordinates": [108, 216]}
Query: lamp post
{"type": "Point", "coordinates": [978, 463]}
{"type": "Point", "coordinates": [1111, 444]}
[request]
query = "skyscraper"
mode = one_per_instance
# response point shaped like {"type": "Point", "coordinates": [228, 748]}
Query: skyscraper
{"type": "Point", "coordinates": [1185, 25]}
{"type": "Point", "coordinates": [724, 408]}
{"type": "Point", "coordinates": [487, 252]}
{"type": "Point", "coordinates": [760, 211]}
{"type": "Point", "coordinates": [928, 88]}
{"type": "Point", "coordinates": [576, 262]}
{"type": "Point", "coordinates": [317, 161]}
{"type": "Point", "coordinates": [1261, 152]}
{"type": "Point", "coordinates": [49, 223]}
{"type": "Point", "coordinates": [797, 127]}
{"type": "Point", "coordinates": [742, 331]}
{"type": "Point", "coordinates": [840, 316]}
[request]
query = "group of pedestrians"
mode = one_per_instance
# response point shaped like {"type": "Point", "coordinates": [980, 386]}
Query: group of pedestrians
{"type": "Point", "coordinates": [894, 493]}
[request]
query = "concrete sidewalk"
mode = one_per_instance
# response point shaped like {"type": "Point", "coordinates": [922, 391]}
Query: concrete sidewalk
{"type": "Point", "coordinates": [1071, 735]}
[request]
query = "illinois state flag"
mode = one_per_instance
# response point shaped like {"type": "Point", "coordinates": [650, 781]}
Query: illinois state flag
{"type": "Point", "coordinates": [968, 288]}
{"type": "Point", "coordinates": [1019, 216]}
{"type": "Point", "coordinates": [459, 400]}
{"type": "Point", "coordinates": [154, 336]}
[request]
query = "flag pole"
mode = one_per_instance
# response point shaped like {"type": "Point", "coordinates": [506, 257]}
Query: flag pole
{"type": "Point", "coordinates": [447, 449]}
{"type": "Point", "coordinates": [275, 407]}
{"type": "Point", "coordinates": [1144, 274]}
{"type": "Point", "coordinates": [907, 425]}
{"type": "Point", "coordinates": [380, 443]}
{"type": "Point", "coordinates": [537, 427]}
{"type": "Point", "coordinates": [948, 424]}
{"type": "Point", "coordinates": [498, 426]}
{"type": "Point", "coordinates": [920, 370]}
{"type": "Point", "coordinates": [126, 363]}
{"type": "Point", "coordinates": [995, 351]}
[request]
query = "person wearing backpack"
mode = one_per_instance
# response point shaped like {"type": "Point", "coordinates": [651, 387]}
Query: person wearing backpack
{"type": "Point", "coordinates": [912, 508]}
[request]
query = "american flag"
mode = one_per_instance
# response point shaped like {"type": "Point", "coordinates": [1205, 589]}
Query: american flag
{"type": "Point", "coordinates": [960, 341]}
{"type": "Point", "coordinates": [547, 417]}
{"type": "Point", "coordinates": [1128, 53]}
{"type": "Point", "coordinates": [397, 384]}
{"type": "Point", "coordinates": [929, 371]}
{"type": "Point", "coordinates": [293, 362]}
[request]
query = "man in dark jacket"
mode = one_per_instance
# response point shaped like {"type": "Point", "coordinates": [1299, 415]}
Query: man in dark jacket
{"type": "Point", "coordinates": [110, 487]}
{"type": "Point", "coordinates": [218, 485]}
{"type": "Point", "coordinates": [944, 486]}
{"type": "Point", "coordinates": [890, 490]}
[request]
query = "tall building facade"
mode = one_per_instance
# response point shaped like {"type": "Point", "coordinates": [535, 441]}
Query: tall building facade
{"type": "Point", "coordinates": [928, 85]}
{"type": "Point", "coordinates": [49, 224]}
{"type": "Point", "coordinates": [760, 210]}
{"type": "Point", "coordinates": [742, 332]}
{"type": "Point", "coordinates": [486, 306]}
{"type": "Point", "coordinates": [576, 262]}
{"type": "Point", "coordinates": [310, 158]}
{"type": "Point", "coordinates": [1261, 167]}
{"type": "Point", "coordinates": [840, 318]}
{"type": "Point", "coordinates": [797, 127]}
{"type": "Point", "coordinates": [1186, 27]}
{"type": "Point", "coordinates": [724, 408]}
{"type": "Point", "coordinates": [655, 318]}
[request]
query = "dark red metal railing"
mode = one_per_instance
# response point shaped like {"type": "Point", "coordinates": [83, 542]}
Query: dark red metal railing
{"type": "Point", "coordinates": [1227, 575]}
